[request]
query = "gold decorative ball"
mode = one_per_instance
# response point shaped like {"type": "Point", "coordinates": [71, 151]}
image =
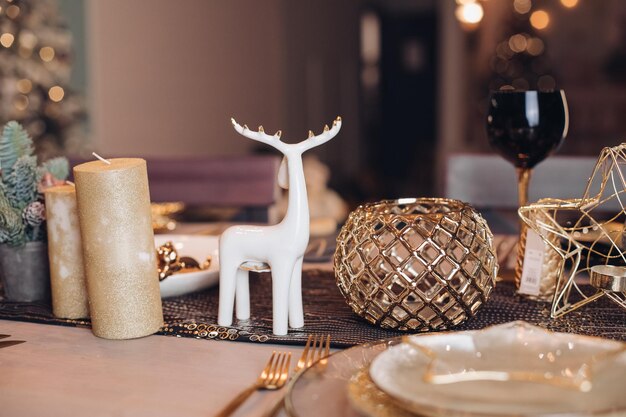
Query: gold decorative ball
{"type": "Point", "coordinates": [416, 264]}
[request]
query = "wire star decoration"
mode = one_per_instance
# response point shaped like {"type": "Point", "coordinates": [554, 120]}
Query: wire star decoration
{"type": "Point", "coordinates": [585, 232]}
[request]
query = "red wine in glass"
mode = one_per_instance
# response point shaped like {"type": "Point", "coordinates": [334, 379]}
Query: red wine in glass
{"type": "Point", "coordinates": [525, 127]}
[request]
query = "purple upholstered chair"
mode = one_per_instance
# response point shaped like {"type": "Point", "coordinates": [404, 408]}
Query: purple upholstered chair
{"type": "Point", "coordinates": [247, 182]}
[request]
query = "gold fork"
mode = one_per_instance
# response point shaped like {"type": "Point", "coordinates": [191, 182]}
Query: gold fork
{"type": "Point", "coordinates": [273, 377]}
{"type": "Point", "coordinates": [315, 349]}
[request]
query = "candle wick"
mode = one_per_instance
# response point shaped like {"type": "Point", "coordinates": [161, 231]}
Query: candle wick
{"type": "Point", "coordinates": [106, 161]}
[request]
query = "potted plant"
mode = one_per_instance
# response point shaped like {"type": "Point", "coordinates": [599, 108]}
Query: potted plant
{"type": "Point", "coordinates": [23, 251]}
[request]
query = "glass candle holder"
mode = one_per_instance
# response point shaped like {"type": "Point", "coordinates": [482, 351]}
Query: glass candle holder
{"type": "Point", "coordinates": [416, 264]}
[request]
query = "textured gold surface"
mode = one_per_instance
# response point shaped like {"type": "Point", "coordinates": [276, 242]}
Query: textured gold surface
{"type": "Point", "coordinates": [170, 263]}
{"type": "Point", "coordinates": [65, 251]}
{"type": "Point", "coordinates": [566, 226]}
{"type": "Point", "coordinates": [370, 401]}
{"type": "Point", "coordinates": [118, 246]}
{"type": "Point", "coordinates": [415, 264]}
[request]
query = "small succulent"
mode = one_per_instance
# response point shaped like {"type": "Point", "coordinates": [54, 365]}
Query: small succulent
{"type": "Point", "coordinates": [22, 211]}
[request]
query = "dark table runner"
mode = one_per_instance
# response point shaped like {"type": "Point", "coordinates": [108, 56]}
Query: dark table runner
{"type": "Point", "coordinates": [326, 312]}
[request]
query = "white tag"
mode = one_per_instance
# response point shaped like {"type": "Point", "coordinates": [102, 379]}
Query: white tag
{"type": "Point", "coordinates": [533, 264]}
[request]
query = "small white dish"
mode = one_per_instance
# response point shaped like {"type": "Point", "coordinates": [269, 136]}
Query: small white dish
{"type": "Point", "coordinates": [471, 366]}
{"type": "Point", "coordinates": [197, 247]}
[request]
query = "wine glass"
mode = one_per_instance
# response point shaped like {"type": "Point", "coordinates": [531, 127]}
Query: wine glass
{"type": "Point", "coordinates": [525, 127]}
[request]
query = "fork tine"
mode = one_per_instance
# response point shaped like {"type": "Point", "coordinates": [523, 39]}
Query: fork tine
{"type": "Point", "coordinates": [311, 356]}
{"type": "Point", "coordinates": [264, 375]}
{"type": "Point", "coordinates": [326, 350]}
{"type": "Point", "coordinates": [303, 358]}
{"type": "Point", "coordinates": [320, 350]}
{"type": "Point", "coordinates": [276, 369]}
{"type": "Point", "coordinates": [281, 370]}
{"type": "Point", "coordinates": [286, 369]}
{"type": "Point", "coordinates": [284, 372]}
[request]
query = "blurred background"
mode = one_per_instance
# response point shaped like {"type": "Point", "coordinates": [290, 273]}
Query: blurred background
{"type": "Point", "coordinates": [410, 78]}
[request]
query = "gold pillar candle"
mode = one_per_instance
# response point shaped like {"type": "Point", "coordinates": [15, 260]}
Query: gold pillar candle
{"type": "Point", "coordinates": [118, 248]}
{"type": "Point", "coordinates": [65, 251]}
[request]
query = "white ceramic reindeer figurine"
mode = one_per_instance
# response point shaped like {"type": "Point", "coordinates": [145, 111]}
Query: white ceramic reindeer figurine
{"type": "Point", "coordinates": [279, 248]}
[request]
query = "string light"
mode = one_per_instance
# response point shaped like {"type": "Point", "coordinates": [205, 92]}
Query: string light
{"type": "Point", "coordinates": [518, 43]}
{"type": "Point", "coordinates": [21, 102]}
{"type": "Point", "coordinates": [569, 3]}
{"type": "Point", "coordinates": [56, 93]}
{"type": "Point", "coordinates": [46, 53]}
{"type": "Point", "coordinates": [13, 11]}
{"type": "Point", "coordinates": [6, 40]}
{"type": "Point", "coordinates": [522, 6]}
{"type": "Point", "coordinates": [540, 19]}
{"type": "Point", "coordinates": [28, 39]}
{"type": "Point", "coordinates": [469, 13]}
{"type": "Point", "coordinates": [24, 86]}
{"type": "Point", "coordinates": [535, 46]}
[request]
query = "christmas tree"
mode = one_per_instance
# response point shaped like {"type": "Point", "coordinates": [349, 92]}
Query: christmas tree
{"type": "Point", "coordinates": [35, 67]}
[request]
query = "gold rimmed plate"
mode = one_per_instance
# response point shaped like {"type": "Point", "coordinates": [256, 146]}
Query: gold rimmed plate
{"type": "Point", "coordinates": [343, 390]}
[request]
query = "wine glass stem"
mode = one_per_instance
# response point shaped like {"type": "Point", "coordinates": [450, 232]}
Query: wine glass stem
{"type": "Point", "coordinates": [523, 179]}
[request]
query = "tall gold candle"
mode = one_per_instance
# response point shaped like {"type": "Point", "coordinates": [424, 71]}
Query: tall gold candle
{"type": "Point", "coordinates": [65, 251]}
{"type": "Point", "coordinates": [118, 247]}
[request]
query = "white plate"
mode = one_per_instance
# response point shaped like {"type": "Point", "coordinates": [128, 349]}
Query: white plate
{"type": "Point", "coordinates": [400, 372]}
{"type": "Point", "coordinates": [197, 247]}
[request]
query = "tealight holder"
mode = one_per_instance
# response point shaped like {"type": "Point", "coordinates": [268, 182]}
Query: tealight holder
{"type": "Point", "coordinates": [611, 280]}
{"type": "Point", "coordinates": [416, 264]}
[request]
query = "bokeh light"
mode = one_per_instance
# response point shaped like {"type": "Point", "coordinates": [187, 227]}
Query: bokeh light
{"type": "Point", "coordinates": [27, 39]}
{"type": "Point", "coordinates": [13, 11]}
{"type": "Point", "coordinates": [21, 102]}
{"type": "Point", "coordinates": [56, 93]}
{"type": "Point", "coordinates": [540, 19]}
{"type": "Point", "coordinates": [470, 13]}
{"type": "Point", "coordinates": [535, 46]}
{"type": "Point", "coordinates": [6, 40]}
{"type": "Point", "coordinates": [46, 53]}
{"type": "Point", "coordinates": [518, 43]}
{"type": "Point", "coordinates": [24, 86]}
{"type": "Point", "coordinates": [569, 3]}
{"type": "Point", "coordinates": [522, 6]}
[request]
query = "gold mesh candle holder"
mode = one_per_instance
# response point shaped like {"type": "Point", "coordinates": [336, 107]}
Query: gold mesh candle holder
{"type": "Point", "coordinates": [415, 264]}
{"type": "Point", "coordinates": [585, 232]}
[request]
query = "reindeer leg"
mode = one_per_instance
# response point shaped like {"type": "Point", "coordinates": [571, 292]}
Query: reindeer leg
{"type": "Point", "coordinates": [228, 275]}
{"type": "Point", "coordinates": [281, 276]}
{"type": "Point", "coordinates": [296, 314]}
{"type": "Point", "coordinates": [242, 295]}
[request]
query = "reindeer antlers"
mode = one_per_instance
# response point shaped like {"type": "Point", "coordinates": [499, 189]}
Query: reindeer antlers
{"type": "Point", "coordinates": [274, 140]}
{"type": "Point", "coordinates": [245, 128]}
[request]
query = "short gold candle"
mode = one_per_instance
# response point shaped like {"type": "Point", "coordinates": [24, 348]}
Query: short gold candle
{"type": "Point", "coordinates": [65, 251]}
{"type": "Point", "coordinates": [118, 246]}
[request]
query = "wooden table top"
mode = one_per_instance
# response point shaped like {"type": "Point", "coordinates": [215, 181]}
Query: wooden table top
{"type": "Point", "coordinates": [65, 371]}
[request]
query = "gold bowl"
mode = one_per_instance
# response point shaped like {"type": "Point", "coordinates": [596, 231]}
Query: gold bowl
{"type": "Point", "coordinates": [416, 264]}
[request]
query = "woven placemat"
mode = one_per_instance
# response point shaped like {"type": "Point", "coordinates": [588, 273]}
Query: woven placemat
{"type": "Point", "coordinates": [326, 312]}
